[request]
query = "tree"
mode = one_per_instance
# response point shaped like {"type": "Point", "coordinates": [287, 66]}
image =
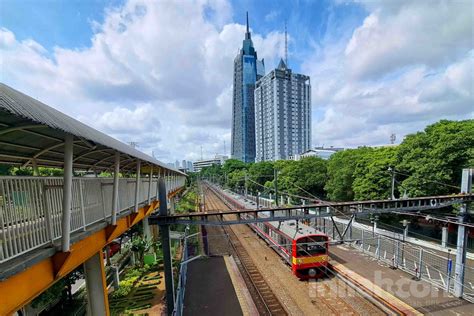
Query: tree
{"type": "Point", "coordinates": [371, 177]}
{"type": "Point", "coordinates": [260, 173]}
{"type": "Point", "coordinates": [305, 177]}
{"type": "Point", "coordinates": [231, 165]}
{"type": "Point", "coordinates": [341, 166]}
{"type": "Point", "coordinates": [431, 162]}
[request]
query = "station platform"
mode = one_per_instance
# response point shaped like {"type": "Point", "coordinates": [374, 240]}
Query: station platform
{"type": "Point", "coordinates": [397, 287]}
{"type": "Point", "coordinates": [214, 287]}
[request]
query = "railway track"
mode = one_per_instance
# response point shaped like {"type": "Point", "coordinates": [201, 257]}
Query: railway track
{"type": "Point", "coordinates": [265, 300]}
{"type": "Point", "coordinates": [334, 296]}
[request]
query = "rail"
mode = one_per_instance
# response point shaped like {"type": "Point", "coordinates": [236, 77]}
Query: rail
{"type": "Point", "coordinates": [31, 207]}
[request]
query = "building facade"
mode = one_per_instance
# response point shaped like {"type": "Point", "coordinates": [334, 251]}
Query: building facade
{"type": "Point", "coordinates": [247, 70]}
{"type": "Point", "coordinates": [321, 152]}
{"type": "Point", "coordinates": [282, 114]}
{"type": "Point", "coordinates": [218, 160]}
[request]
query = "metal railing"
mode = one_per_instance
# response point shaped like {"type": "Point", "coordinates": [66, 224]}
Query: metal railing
{"type": "Point", "coordinates": [422, 263]}
{"type": "Point", "coordinates": [31, 207]}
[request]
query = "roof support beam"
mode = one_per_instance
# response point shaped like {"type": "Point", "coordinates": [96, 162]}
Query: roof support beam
{"type": "Point", "coordinates": [150, 184]}
{"type": "Point", "coordinates": [67, 193]}
{"type": "Point", "coordinates": [115, 189]}
{"type": "Point", "coordinates": [20, 128]}
{"type": "Point", "coordinates": [137, 186]}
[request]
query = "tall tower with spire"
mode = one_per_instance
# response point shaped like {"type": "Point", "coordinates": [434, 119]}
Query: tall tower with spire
{"type": "Point", "coordinates": [247, 70]}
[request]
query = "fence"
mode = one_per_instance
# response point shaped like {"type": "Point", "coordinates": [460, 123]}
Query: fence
{"type": "Point", "coordinates": [420, 262]}
{"type": "Point", "coordinates": [31, 207]}
{"type": "Point", "coordinates": [181, 289]}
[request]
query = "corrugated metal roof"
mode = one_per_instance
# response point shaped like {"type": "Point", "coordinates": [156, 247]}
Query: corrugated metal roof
{"type": "Point", "coordinates": [22, 105]}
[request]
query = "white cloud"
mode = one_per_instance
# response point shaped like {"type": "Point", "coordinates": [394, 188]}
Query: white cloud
{"type": "Point", "coordinates": [407, 65]}
{"type": "Point", "coordinates": [398, 34]}
{"type": "Point", "coordinates": [160, 73]}
{"type": "Point", "coordinates": [157, 72]}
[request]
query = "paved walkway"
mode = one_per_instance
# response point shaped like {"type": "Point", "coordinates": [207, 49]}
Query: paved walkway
{"type": "Point", "coordinates": [209, 289]}
{"type": "Point", "coordinates": [420, 295]}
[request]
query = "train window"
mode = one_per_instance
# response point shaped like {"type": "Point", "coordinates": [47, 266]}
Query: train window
{"type": "Point", "coordinates": [310, 246]}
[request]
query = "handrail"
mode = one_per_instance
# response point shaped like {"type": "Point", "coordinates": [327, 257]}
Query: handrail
{"type": "Point", "coordinates": [31, 207]}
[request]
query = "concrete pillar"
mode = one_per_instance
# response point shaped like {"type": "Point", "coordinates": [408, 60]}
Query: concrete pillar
{"type": "Point", "coordinates": [444, 236]}
{"type": "Point", "coordinates": [96, 286]}
{"type": "Point", "coordinates": [115, 276]}
{"type": "Point", "coordinates": [146, 229]}
{"type": "Point", "coordinates": [282, 200]}
{"type": "Point", "coordinates": [172, 205]}
{"type": "Point", "coordinates": [288, 200]}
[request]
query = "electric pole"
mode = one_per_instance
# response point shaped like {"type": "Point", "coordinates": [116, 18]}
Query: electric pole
{"type": "Point", "coordinates": [390, 169]}
{"type": "Point", "coordinates": [275, 180]}
{"type": "Point", "coordinates": [246, 185]}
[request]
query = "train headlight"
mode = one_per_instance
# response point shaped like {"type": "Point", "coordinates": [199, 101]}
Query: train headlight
{"type": "Point", "coordinates": [312, 272]}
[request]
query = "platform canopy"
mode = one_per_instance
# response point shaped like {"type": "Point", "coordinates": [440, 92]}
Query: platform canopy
{"type": "Point", "coordinates": [32, 132]}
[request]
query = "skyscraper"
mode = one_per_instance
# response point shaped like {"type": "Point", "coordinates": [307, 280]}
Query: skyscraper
{"type": "Point", "coordinates": [247, 70]}
{"type": "Point", "coordinates": [282, 114]}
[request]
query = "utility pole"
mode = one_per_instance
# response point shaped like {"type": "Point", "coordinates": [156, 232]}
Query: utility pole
{"type": "Point", "coordinates": [393, 182]}
{"type": "Point", "coordinates": [275, 179]}
{"type": "Point", "coordinates": [246, 185]}
{"type": "Point", "coordinates": [466, 187]}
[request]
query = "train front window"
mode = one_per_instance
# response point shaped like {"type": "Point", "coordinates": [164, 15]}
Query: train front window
{"type": "Point", "coordinates": [311, 246]}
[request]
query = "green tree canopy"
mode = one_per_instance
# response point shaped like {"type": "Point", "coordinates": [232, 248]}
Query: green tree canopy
{"type": "Point", "coordinates": [435, 157]}
{"type": "Point", "coordinates": [341, 166]}
{"type": "Point", "coordinates": [372, 180]}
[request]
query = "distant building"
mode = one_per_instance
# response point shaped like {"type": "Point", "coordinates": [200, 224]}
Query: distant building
{"type": "Point", "coordinates": [247, 70]}
{"type": "Point", "coordinates": [190, 166]}
{"type": "Point", "coordinates": [320, 152]}
{"type": "Point", "coordinates": [218, 160]}
{"type": "Point", "coordinates": [282, 114]}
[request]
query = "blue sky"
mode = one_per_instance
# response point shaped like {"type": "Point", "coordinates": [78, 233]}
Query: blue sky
{"type": "Point", "coordinates": [127, 66]}
{"type": "Point", "coordinates": [70, 24]}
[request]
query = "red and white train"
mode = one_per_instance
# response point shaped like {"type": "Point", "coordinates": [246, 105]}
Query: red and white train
{"type": "Point", "coordinates": [303, 247]}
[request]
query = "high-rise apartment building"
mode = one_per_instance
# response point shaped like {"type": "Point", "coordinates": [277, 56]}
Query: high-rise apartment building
{"type": "Point", "coordinates": [282, 114]}
{"type": "Point", "coordinates": [247, 70]}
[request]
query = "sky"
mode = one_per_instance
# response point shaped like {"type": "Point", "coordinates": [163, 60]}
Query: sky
{"type": "Point", "coordinates": [159, 73]}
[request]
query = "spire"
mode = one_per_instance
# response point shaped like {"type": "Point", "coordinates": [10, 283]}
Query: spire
{"type": "Point", "coordinates": [286, 45]}
{"type": "Point", "coordinates": [247, 34]}
{"type": "Point", "coordinates": [282, 65]}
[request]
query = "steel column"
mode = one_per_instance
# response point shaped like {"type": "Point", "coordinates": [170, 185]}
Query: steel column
{"type": "Point", "coordinates": [137, 186]}
{"type": "Point", "coordinates": [466, 187]}
{"type": "Point", "coordinates": [67, 192]}
{"type": "Point", "coordinates": [115, 205]}
{"type": "Point", "coordinates": [165, 242]}
{"type": "Point", "coordinates": [444, 236]}
{"type": "Point", "coordinates": [150, 185]}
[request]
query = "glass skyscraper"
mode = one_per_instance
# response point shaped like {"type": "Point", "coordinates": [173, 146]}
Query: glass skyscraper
{"type": "Point", "coordinates": [247, 70]}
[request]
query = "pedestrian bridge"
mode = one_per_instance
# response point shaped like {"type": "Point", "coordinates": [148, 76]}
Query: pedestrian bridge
{"type": "Point", "coordinates": [49, 225]}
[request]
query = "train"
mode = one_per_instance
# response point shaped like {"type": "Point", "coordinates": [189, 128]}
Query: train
{"type": "Point", "coordinates": [303, 247]}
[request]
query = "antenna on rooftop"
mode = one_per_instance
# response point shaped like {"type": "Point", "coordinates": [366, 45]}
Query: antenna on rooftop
{"type": "Point", "coordinates": [286, 46]}
{"type": "Point", "coordinates": [201, 152]}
